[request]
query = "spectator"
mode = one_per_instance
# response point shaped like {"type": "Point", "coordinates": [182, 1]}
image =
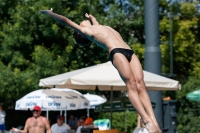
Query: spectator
{"type": "Point", "coordinates": [81, 124]}
{"type": "Point", "coordinates": [60, 126]}
{"type": "Point", "coordinates": [85, 123]}
{"type": "Point", "coordinates": [88, 122]}
{"type": "Point", "coordinates": [72, 122]}
{"type": "Point", "coordinates": [35, 124]}
{"type": "Point", "coordinates": [2, 119]}
{"type": "Point", "coordinates": [78, 124]}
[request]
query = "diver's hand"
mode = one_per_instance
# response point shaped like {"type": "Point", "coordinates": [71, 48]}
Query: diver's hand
{"type": "Point", "coordinates": [89, 16]}
{"type": "Point", "coordinates": [86, 15]}
{"type": "Point", "coordinates": [45, 11]}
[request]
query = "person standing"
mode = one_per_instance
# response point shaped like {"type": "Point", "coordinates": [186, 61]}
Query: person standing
{"type": "Point", "coordinates": [60, 126]}
{"type": "Point", "coordinates": [35, 124]}
{"type": "Point", "coordinates": [2, 119]}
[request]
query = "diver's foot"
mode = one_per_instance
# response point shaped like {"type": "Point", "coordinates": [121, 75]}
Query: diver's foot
{"type": "Point", "coordinates": [149, 125]}
{"type": "Point", "coordinates": [156, 124]}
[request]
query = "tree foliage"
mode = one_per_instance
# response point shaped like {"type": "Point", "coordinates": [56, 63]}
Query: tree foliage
{"type": "Point", "coordinates": [188, 111]}
{"type": "Point", "coordinates": [185, 29]}
{"type": "Point", "coordinates": [185, 19]}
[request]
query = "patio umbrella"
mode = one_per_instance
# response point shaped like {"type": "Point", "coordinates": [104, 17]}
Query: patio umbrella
{"type": "Point", "coordinates": [95, 100]}
{"type": "Point", "coordinates": [105, 76]}
{"type": "Point", "coordinates": [194, 95]}
{"type": "Point", "coordinates": [84, 103]}
{"type": "Point", "coordinates": [47, 100]}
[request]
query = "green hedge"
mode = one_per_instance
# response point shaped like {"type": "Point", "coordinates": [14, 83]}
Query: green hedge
{"type": "Point", "coordinates": [123, 121]}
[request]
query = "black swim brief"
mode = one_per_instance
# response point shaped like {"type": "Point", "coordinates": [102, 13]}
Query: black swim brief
{"type": "Point", "coordinates": [126, 52]}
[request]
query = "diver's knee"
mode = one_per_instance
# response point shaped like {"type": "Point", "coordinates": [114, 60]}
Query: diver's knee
{"type": "Point", "coordinates": [141, 85]}
{"type": "Point", "coordinates": [132, 83]}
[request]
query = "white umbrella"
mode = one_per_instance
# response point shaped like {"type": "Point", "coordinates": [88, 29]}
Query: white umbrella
{"type": "Point", "coordinates": [105, 76]}
{"type": "Point", "coordinates": [47, 100]}
{"type": "Point", "coordinates": [83, 102]}
{"type": "Point", "coordinates": [95, 100]}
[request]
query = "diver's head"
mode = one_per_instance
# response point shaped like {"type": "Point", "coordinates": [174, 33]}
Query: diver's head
{"type": "Point", "coordinates": [83, 41]}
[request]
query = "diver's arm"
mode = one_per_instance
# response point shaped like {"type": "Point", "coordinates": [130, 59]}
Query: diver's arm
{"type": "Point", "coordinates": [62, 19]}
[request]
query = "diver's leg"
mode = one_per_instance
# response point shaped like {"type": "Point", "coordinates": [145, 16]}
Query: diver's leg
{"type": "Point", "coordinates": [144, 97]}
{"type": "Point", "coordinates": [124, 69]}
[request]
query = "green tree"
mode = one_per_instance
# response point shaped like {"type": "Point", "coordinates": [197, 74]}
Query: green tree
{"type": "Point", "coordinates": [185, 40]}
{"type": "Point", "coordinates": [188, 111]}
{"type": "Point", "coordinates": [186, 61]}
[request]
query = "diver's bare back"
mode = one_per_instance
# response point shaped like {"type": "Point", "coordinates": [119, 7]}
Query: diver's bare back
{"type": "Point", "coordinates": [106, 37]}
{"type": "Point", "coordinates": [36, 125]}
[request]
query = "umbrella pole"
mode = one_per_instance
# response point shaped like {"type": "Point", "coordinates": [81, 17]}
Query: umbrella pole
{"type": "Point", "coordinates": [111, 103]}
{"type": "Point", "coordinates": [88, 112]}
{"type": "Point", "coordinates": [47, 114]}
{"type": "Point", "coordinates": [65, 116]}
{"type": "Point", "coordinates": [60, 112]}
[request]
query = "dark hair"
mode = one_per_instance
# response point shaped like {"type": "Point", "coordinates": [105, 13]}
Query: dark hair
{"type": "Point", "coordinates": [83, 118]}
{"type": "Point", "coordinates": [83, 41]}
